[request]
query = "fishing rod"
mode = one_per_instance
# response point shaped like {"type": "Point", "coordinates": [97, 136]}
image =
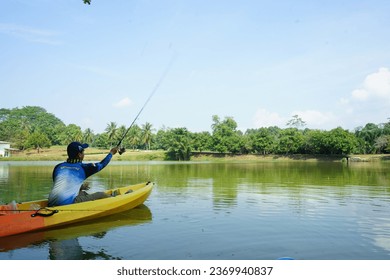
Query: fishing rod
{"type": "Point", "coordinates": [122, 150]}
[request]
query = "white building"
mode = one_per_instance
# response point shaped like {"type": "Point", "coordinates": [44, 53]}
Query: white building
{"type": "Point", "coordinates": [5, 148]}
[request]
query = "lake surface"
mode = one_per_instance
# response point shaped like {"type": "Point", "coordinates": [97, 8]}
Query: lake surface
{"type": "Point", "coordinates": [212, 211]}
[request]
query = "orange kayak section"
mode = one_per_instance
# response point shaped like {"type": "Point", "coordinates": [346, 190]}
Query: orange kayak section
{"type": "Point", "coordinates": [16, 218]}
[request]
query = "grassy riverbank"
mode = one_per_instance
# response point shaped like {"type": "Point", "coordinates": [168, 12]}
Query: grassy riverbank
{"type": "Point", "coordinates": [296, 157]}
{"type": "Point", "coordinates": [58, 153]}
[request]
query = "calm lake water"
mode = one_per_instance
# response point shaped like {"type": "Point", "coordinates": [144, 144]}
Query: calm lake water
{"type": "Point", "coordinates": [212, 211]}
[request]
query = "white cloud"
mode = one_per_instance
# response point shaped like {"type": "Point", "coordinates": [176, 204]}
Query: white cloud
{"type": "Point", "coordinates": [317, 119]}
{"type": "Point", "coordinates": [125, 102]}
{"type": "Point", "coordinates": [312, 118]}
{"type": "Point", "coordinates": [346, 105]}
{"type": "Point", "coordinates": [375, 86]}
{"type": "Point", "coordinates": [379, 83]}
{"type": "Point", "coordinates": [370, 102]}
{"type": "Point", "coordinates": [264, 118]}
{"type": "Point", "coordinates": [360, 94]}
{"type": "Point", "coordinates": [344, 101]}
{"type": "Point", "coordinates": [30, 34]}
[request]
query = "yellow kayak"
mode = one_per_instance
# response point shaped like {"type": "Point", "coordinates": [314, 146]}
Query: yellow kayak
{"type": "Point", "coordinates": [133, 217]}
{"type": "Point", "coordinates": [35, 215]}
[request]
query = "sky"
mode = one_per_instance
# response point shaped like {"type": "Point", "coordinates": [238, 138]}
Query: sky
{"type": "Point", "coordinates": [259, 62]}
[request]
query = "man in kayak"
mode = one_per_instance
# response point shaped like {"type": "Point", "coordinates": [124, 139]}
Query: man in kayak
{"type": "Point", "coordinates": [68, 177]}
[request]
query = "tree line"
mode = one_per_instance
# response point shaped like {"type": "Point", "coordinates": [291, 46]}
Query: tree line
{"type": "Point", "coordinates": [32, 127]}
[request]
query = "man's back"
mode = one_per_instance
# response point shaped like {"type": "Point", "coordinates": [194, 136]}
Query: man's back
{"type": "Point", "coordinates": [67, 177]}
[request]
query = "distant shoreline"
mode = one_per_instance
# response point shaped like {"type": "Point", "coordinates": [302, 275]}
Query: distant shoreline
{"type": "Point", "coordinates": [294, 157]}
{"type": "Point", "coordinates": [58, 153]}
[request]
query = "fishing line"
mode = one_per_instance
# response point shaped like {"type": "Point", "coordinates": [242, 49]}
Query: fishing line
{"type": "Point", "coordinates": [158, 84]}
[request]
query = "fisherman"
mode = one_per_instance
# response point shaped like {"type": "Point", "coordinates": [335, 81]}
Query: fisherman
{"type": "Point", "coordinates": [69, 176]}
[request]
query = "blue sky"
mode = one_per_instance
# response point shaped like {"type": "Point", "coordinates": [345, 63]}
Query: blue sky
{"type": "Point", "coordinates": [260, 62]}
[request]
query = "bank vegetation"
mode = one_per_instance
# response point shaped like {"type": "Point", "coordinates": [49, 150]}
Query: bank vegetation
{"type": "Point", "coordinates": [34, 132]}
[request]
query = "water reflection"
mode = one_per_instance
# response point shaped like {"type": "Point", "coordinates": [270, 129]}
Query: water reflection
{"type": "Point", "coordinates": [24, 181]}
{"type": "Point", "coordinates": [63, 243]}
{"type": "Point", "coordinates": [378, 224]}
{"type": "Point", "coordinates": [70, 249]}
{"type": "Point", "coordinates": [65, 250]}
{"type": "Point", "coordinates": [244, 210]}
{"type": "Point", "coordinates": [4, 174]}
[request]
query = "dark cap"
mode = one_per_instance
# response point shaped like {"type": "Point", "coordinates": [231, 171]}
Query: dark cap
{"type": "Point", "coordinates": [75, 148]}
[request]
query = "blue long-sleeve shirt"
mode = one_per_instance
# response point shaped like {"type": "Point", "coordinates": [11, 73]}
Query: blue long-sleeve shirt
{"type": "Point", "coordinates": [68, 178]}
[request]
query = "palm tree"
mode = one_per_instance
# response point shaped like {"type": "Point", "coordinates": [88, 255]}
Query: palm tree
{"type": "Point", "coordinates": [147, 134]}
{"type": "Point", "coordinates": [119, 134]}
{"type": "Point", "coordinates": [134, 136]}
{"type": "Point", "coordinates": [88, 135]}
{"type": "Point", "coordinates": [111, 130]}
{"type": "Point", "coordinates": [71, 133]}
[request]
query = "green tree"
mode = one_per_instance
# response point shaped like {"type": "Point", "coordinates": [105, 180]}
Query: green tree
{"type": "Point", "coordinates": [71, 133]}
{"type": "Point", "coordinates": [340, 141]}
{"type": "Point", "coordinates": [386, 128]}
{"type": "Point", "coordinates": [88, 136]}
{"type": "Point", "coordinates": [20, 139]}
{"type": "Point", "coordinates": [290, 141]}
{"type": "Point", "coordinates": [134, 137]}
{"type": "Point", "coordinates": [101, 141]}
{"type": "Point", "coordinates": [37, 140]}
{"type": "Point", "coordinates": [225, 136]}
{"type": "Point", "coordinates": [296, 122]}
{"type": "Point", "coordinates": [120, 132]}
{"type": "Point", "coordinates": [201, 141]}
{"type": "Point", "coordinates": [147, 134]}
{"type": "Point", "coordinates": [161, 139]}
{"type": "Point", "coordinates": [369, 133]}
{"type": "Point", "coordinates": [261, 141]}
{"type": "Point", "coordinates": [382, 144]}
{"type": "Point", "coordinates": [179, 144]}
{"type": "Point", "coordinates": [17, 124]}
{"type": "Point", "coordinates": [111, 130]}
{"type": "Point", "coordinates": [314, 141]}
